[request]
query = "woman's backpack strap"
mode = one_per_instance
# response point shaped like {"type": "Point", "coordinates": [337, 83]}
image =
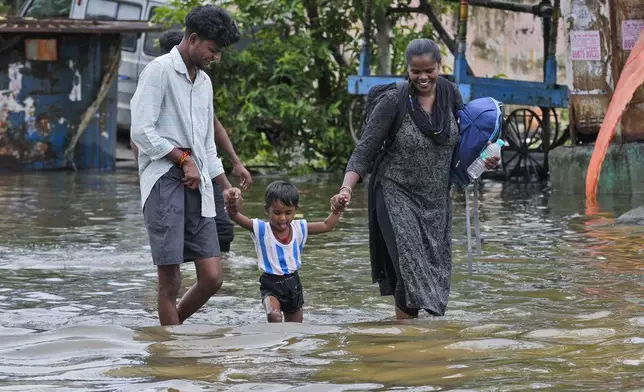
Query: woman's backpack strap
{"type": "Point", "coordinates": [402, 94]}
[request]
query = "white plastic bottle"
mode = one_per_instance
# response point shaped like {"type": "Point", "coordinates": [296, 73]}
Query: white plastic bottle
{"type": "Point", "coordinates": [478, 166]}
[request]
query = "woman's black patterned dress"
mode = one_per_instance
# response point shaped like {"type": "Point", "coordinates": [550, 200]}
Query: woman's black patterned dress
{"type": "Point", "coordinates": [413, 181]}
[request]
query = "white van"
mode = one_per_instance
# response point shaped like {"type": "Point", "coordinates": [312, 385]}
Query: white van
{"type": "Point", "coordinates": [137, 50]}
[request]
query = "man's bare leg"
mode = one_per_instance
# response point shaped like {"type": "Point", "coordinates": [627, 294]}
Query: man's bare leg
{"type": "Point", "coordinates": [169, 282]}
{"type": "Point", "coordinates": [209, 280]}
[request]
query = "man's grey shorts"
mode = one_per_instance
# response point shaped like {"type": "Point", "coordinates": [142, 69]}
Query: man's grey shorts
{"type": "Point", "coordinates": [176, 229]}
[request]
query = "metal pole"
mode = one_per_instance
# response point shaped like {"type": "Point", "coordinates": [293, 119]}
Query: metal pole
{"type": "Point", "coordinates": [462, 26]}
{"type": "Point", "coordinates": [551, 59]}
{"type": "Point", "coordinates": [549, 73]}
{"type": "Point", "coordinates": [556, 14]}
{"type": "Point", "coordinates": [547, 27]}
{"type": "Point", "coordinates": [460, 64]}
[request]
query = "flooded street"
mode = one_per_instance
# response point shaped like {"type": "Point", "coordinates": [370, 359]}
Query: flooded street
{"type": "Point", "coordinates": [555, 303]}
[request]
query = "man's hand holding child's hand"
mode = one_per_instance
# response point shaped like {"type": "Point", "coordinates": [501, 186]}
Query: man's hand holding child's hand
{"type": "Point", "coordinates": [233, 199]}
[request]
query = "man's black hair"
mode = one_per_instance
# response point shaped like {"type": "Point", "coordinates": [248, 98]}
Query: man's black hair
{"type": "Point", "coordinates": [284, 192]}
{"type": "Point", "coordinates": [169, 40]}
{"type": "Point", "coordinates": [212, 24]}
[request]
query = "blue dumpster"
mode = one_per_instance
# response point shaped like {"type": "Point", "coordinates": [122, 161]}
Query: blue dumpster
{"type": "Point", "coordinates": [58, 98]}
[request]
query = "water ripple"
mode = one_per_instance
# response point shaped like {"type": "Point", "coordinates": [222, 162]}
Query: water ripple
{"type": "Point", "coordinates": [554, 303]}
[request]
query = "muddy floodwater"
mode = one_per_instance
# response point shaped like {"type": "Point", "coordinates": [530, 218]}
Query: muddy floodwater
{"type": "Point", "coordinates": [556, 302]}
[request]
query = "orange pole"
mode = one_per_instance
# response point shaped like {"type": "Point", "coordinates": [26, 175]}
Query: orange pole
{"type": "Point", "coordinates": [629, 81]}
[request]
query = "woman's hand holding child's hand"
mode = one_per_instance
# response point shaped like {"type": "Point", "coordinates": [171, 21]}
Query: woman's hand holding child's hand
{"type": "Point", "coordinates": [340, 202]}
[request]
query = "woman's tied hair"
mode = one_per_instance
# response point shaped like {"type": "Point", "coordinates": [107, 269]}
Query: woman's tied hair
{"type": "Point", "coordinates": [212, 23]}
{"type": "Point", "coordinates": [421, 47]}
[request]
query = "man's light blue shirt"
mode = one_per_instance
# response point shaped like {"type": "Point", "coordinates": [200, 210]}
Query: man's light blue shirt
{"type": "Point", "coordinates": [168, 111]}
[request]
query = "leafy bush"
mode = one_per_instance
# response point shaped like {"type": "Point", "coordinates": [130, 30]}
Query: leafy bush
{"type": "Point", "coordinates": [282, 91]}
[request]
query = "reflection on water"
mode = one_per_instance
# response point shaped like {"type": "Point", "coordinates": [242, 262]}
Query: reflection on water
{"type": "Point", "coordinates": [555, 303]}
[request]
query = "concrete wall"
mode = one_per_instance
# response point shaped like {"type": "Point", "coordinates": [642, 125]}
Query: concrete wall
{"type": "Point", "coordinates": [622, 171]}
{"type": "Point", "coordinates": [592, 81]}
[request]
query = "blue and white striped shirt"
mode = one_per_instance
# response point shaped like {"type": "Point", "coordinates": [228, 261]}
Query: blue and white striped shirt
{"type": "Point", "coordinates": [274, 257]}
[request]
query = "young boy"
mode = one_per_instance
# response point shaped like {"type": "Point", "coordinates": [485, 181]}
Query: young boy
{"type": "Point", "coordinates": [279, 244]}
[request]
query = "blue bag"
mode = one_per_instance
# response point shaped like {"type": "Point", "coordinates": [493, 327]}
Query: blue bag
{"type": "Point", "coordinates": [480, 122]}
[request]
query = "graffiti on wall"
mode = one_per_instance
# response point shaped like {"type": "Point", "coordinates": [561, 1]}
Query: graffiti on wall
{"type": "Point", "coordinates": [75, 94]}
{"type": "Point", "coordinates": [27, 137]}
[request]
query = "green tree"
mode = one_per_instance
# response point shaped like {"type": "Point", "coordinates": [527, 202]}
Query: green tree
{"type": "Point", "coordinates": [283, 90]}
{"type": "Point", "coordinates": [9, 7]}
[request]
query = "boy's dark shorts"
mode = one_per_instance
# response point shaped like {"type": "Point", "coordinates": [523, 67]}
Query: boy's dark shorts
{"type": "Point", "coordinates": [287, 289]}
{"type": "Point", "coordinates": [176, 229]}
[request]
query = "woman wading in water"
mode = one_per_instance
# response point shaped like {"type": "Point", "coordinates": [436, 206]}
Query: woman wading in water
{"type": "Point", "coordinates": [410, 213]}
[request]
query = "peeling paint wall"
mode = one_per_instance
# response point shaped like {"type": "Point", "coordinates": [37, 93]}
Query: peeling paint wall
{"type": "Point", "coordinates": [505, 43]}
{"type": "Point", "coordinates": [75, 95]}
{"type": "Point", "coordinates": [625, 13]}
{"type": "Point", "coordinates": [42, 101]}
{"type": "Point", "coordinates": [511, 44]}
{"type": "Point", "coordinates": [592, 82]}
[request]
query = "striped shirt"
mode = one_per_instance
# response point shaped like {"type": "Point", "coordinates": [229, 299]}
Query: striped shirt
{"type": "Point", "coordinates": [274, 257]}
{"type": "Point", "coordinates": [169, 110]}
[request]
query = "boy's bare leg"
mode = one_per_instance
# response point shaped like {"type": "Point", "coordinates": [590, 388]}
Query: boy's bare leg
{"type": "Point", "coordinates": [296, 317]}
{"type": "Point", "coordinates": [273, 309]}
{"type": "Point", "coordinates": [209, 280]}
{"type": "Point", "coordinates": [169, 282]}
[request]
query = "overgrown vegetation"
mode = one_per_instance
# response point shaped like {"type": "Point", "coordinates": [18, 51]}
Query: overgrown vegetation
{"type": "Point", "coordinates": [8, 7]}
{"type": "Point", "coordinates": [282, 92]}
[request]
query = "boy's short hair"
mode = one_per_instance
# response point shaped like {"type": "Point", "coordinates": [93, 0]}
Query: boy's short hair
{"type": "Point", "coordinates": [212, 24]}
{"type": "Point", "coordinates": [284, 192]}
{"type": "Point", "coordinates": [169, 40]}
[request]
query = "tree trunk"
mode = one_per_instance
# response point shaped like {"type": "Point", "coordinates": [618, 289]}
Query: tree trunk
{"type": "Point", "coordinates": [383, 40]}
{"type": "Point", "coordinates": [324, 78]}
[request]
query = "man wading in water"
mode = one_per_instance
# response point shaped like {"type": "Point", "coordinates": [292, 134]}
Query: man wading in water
{"type": "Point", "coordinates": [225, 230]}
{"type": "Point", "coordinates": [173, 128]}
